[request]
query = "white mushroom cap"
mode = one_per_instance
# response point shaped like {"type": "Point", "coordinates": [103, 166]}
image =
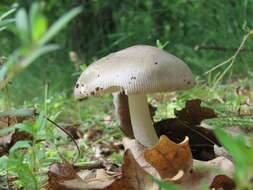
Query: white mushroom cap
{"type": "Point", "coordinates": [138, 69]}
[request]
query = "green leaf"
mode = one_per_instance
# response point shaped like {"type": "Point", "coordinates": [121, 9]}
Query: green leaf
{"type": "Point", "coordinates": [39, 27]}
{"type": "Point", "coordinates": [4, 15]}
{"type": "Point", "coordinates": [11, 128]}
{"type": "Point", "coordinates": [3, 162]}
{"type": "Point", "coordinates": [235, 145]}
{"type": "Point", "coordinates": [19, 113]}
{"type": "Point", "coordinates": [2, 28]}
{"type": "Point", "coordinates": [204, 187]}
{"type": "Point", "coordinates": [22, 22]}
{"type": "Point", "coordinates": [29, 128]}
{"type": "Point", "coordinates": [26, 176]}
{"type": "Point", "coordinates": [19, 145]}
{"type": "Point", "coordinates": [6, 21]}
{"type": "Point", "coordinates": [165, 185]}
{"type": "Point", "coordinates": [59, 24]}
{"type": "Point", "coordinates": [3, 71]}
{"type": "Point", "coordinates": [38, 21]}
{"type": "Point", "coordinates": [160, 45]}
{"type": "Point", "coordinates": [39, 52]}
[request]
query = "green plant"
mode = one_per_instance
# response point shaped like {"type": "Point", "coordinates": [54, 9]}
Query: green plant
{"type": "Point", "coordinates": [4, 21]}
{"type": "Point", "coordinates": [241, 149]}
{"type": "Point", "coordinates": [27, 157]}
{"type": "Point", "coordinates": [231, 60]}
{"type": "Point", "coordinates": [34, 34]}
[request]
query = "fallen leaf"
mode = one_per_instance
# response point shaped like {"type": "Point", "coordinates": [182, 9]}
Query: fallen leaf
{"type": "Point", "coordinates": [10, 118]}
{"type": "Point", "coordinates": [137, 150]}
{"type": "Point", "coordinates": [74, 130]}
{"type": "Point", "coordinates": [187, 123]}
{"type": "Point", "coordinates": [193, 113]}
{"type": "Point", "coordinates": [168, 158]}
{"type": "Point", "coordinates": [203, 172]}
{"type": "Point", "coordinates": [87, 180]}
{"type": "Point", "coordinates": [222, 181]}
{"type": "Point", "coordinates": [175, 165]}
{"type": "Point", "coordinates": [57, 173]}
{"type": "Point", "coordinates": [133, 176]}
{"type": "Point", "coordinates": [65, 176]}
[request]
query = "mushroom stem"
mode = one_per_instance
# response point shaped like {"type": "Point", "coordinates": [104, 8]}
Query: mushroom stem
{"type": "Point", "coordinates": [143, 128]}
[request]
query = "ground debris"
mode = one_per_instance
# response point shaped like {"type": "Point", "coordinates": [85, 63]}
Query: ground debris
{"type": "Point", "coordinates": [187, 123]}
{"type": "Point", "coordinates": [65, 176]}
{"type": "Point", "coordinates": [10, 118]}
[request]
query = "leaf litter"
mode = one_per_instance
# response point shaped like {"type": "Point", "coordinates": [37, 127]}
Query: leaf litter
{"type": "Point", "coordinates": [187, 123]}
{"type": "Point", "coordinates": [10, 118]}
{"type": "Point", "coordinates": [168, 161]}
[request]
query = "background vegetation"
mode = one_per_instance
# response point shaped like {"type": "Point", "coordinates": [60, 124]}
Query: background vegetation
{"type": "Point", "coordinates": [107, 26]}
{"type": "Point", "coordinates": [202, 33]}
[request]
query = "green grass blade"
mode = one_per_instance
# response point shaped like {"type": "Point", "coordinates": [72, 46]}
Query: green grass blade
{"type": "Point", "coordinates": [18, 113]}
{"type": "Point", "coordinates": [6, 21]}
{"type": "Point", "coordinates": [22, 22]}
{"type": "Point", "coordinates": [39, 52]}
{"type": "Point", "coordinates": [4, 15]}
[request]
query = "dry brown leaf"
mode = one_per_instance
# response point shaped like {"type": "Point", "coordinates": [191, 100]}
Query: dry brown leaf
{"type": "Point", "coordinates": [204, 172]}
{"type": "Point", "coordinates": [8, 140]}
{"type": "Point", "coordinates": [187, 123]}
{"type": "Point", "coordinates": [168, 158]}
{"type": "Point", "coordinates": [57, 173]}
{"type": "Point", "coordinates": [224, 182]}
{"type": "Point", "coordinates": [89, 179]}
{"type": "Point", "coordinates": [193, 113]}
{"type": "Point", "coordinates": [133, 176]}
{"type": "Point", "coordinates": [65, 176]}
{"type": "Point", "coordinates": [9, 120]}
{"type": "Point", "coordinates": [173, 164]}
{"type": "Point", "coordinates": [137, 150]}
{"type": "Point", "coordinates": [74, 130]}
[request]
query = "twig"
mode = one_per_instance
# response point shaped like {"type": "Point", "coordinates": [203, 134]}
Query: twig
{"type": "Point", "coordinates": [231, 60]}
{"type": "Point", "coordinates": [197, 132]}
{"type": "Point", "coordinates": [98, 165]}
{"type": "Point", "coordinates": [65, 131]}
{"type": "Point", "coordinates": [220, 48]}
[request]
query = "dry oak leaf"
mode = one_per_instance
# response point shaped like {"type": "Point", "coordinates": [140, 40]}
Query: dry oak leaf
{"type": "Point", "coordinates": [57, 173]}
{"type": "Point", "coordinates": [168, 158]}
{"type": "Point", "coordinates": [133, 176]}
{"type": "Point", "coordinates": [224, 182]}
{"type": "Point", "coordinates": [193, 113]}
{"type": "Point", "coordinates": [65, 176]}
{"type": "Point", "coordinates": [137, 149]}
{"type": "Point", "coordinates": [187, 123]}
{"type": "Point", "coordinates": [10, 118]}
{"type": "Point", "coordinates": [175, 164]}
{"type": "Point", "coordinates": [203, 172]}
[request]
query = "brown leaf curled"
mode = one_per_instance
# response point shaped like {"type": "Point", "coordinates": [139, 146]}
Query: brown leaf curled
{"type": "Point", "coordinates": [168, 158]}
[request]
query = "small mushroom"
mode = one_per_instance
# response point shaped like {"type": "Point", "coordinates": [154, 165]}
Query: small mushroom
{"type": "Point", "coordinates": [136, 71]}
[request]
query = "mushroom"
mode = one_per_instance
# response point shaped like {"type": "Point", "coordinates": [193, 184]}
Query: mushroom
{"type": "Point", "coordinates": [136, 71]}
